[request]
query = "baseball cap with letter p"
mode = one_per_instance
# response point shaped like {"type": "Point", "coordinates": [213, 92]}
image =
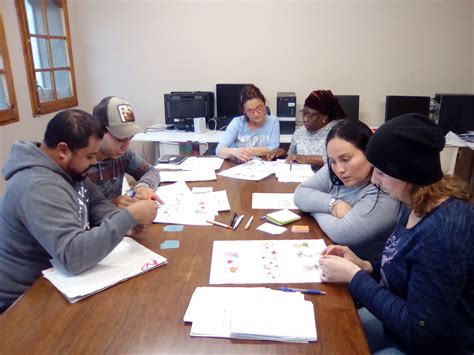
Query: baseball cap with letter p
{"type": "Point", "coordinates": [116, 115]}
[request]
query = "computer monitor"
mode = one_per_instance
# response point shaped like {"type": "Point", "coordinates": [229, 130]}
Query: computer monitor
{"type": "Point", "coordinates": [399, 105]}
{"type": "Point", "coordinates": [228, 99]}
{"type": "Point", "coordinates": [188, 105]}
{"type": "Point", "coordinates": [350, 105]}
{"type": "Point", "coordinates": [456, 112]}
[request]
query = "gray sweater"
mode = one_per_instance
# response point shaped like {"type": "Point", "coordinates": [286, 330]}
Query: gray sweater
{"type": "Point", "coordinates": [45, 215]}
{"type": "Point", "coordinates": [368, 224]}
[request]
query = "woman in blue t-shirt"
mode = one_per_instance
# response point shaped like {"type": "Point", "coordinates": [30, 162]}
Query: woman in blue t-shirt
{"type": "Point", "coordinates": [424, 302]}
{"type": "Point", "coordinates": [253, 134]}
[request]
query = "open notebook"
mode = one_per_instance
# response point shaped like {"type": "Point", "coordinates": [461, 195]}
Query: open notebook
{"type": "Point", "coordinates": [128, 259]}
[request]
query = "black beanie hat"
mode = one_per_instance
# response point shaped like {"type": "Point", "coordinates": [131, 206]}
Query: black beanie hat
{"type": "Point", "coordinates": [407, 148]}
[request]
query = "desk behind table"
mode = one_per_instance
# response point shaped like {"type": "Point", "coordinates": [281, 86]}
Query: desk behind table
{"type": "Point", "coordinates": [167, 141]}
{"type": "Point", "coordinates": [145, 314]}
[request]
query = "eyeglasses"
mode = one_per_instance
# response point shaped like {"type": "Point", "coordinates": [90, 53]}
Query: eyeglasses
{"type": "Point", "coordinates": [310, 115]}
{"type": "Point", "coordinates": [252, 111]}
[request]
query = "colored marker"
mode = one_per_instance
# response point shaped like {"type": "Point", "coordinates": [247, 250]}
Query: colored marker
{"type": "Point", "coordinates": [247, 226]}
{"type": "Point", "coordinates": [219, 224]}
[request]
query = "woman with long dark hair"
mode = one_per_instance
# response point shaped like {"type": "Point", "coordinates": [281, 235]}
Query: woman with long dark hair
{"type": "Point", "coordinates": [347, 206]}
{"type": "Point", "coordinates": [254, 133]}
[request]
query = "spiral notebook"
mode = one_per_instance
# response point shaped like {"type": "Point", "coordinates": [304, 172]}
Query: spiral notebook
{"type": "Point", "coordinates": [287, 322]}
{"type": "Point", "coordinates": [251, 313]}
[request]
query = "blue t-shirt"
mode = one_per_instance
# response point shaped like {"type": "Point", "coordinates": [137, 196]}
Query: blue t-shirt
{"type": "Point", "coordinates": [238, 134]}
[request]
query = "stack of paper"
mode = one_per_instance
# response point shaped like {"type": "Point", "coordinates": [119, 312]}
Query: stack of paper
{"type": "Point", "coordinates": [181, 206]}
{"type": "Point", "coordinates": [282, 217]}
{"type": "Point", "coordinates": [251, 313]}
{"type": "Point", "coordinates": [127, 260]}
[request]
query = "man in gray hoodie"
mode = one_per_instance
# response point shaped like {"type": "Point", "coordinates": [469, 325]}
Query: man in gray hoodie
{"type": "Point", "coordinates": [51, 210]}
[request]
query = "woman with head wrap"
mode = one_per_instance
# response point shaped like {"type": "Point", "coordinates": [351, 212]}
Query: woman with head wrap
{"type": "Point", "coordinates": [419, 298]}
{"type": "Point", "coordinates": [308, 145]}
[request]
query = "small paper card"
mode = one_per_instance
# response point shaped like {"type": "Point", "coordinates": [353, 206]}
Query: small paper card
{"type": "Point", "coordinates": [169, 244]}
{"type": "Point", "coordinates": [271, 228]}
{"type": "Point", "coordinates": [173, 228]}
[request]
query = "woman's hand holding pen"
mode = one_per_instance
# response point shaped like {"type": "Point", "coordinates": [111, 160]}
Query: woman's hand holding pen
{"type": "Point", "coordinates": [242, 154]}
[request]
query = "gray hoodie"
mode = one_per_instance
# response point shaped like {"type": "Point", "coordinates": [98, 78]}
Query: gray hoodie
{"type": "Point", "coordinates": [45, 215]}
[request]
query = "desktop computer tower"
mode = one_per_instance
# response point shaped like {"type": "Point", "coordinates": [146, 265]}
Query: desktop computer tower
{"type": "Point", "coordinates": [286, 111]}
{"type": "Point", "coordinates": [286, 104]}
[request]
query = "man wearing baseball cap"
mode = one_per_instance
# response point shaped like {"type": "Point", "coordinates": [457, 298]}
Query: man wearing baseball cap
{"type": "Point", "coordinates": [115, 158]}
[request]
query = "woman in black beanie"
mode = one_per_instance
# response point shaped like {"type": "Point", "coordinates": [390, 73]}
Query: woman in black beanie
{"type": "Point", "coordinates": [424, 302]}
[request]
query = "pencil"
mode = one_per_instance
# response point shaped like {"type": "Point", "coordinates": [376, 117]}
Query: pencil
{"type": "Point", "coordinates": [219, 224]}
{"type": "Point", "coordinates": [247, 226]}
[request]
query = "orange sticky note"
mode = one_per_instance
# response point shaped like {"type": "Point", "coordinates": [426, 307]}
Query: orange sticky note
{"type": "Point", "coordinates": [300, 229]}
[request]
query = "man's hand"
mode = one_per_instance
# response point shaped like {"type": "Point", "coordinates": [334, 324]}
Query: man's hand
{"type": "Point", "coordinates": [123, 201]}
{"type": "Point", "coordinates": [145, 193]}
{"type": "Point", "coordinates": [143, 211]}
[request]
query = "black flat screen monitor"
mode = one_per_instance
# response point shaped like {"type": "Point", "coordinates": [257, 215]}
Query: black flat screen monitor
{"type": "Point", "coordinates": [456, 112]}
{"type": "Point", "coordinates": [187, 105]}
{"type": "Point", "coordinates": [350, 105]}
{"type": "Point", "coordinates": [228, 99]}
{"type": "Point", "coordinates": [399, 105]}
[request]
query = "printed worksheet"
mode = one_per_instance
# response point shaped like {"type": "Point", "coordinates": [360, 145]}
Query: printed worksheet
{"type": "Point", "coordinates": [266, 261]}
{"type": "Point", "coordinates": [255, 169]}
{"type": "Point", "coordinates": [181, 206]}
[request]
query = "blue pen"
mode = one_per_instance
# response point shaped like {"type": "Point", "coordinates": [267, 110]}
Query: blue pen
{"type": "Point", "coordinates": [302, 290]}
{"type": "Point", "coordinates": [130, 193]}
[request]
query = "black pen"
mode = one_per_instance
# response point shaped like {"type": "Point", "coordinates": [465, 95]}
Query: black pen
{"type": "Point", "coordinates": [302, 290]}
{"type": "Point", "coordinates": [232, 220]}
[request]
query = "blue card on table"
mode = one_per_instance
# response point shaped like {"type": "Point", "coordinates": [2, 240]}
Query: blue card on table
{"type": "Point", "coordinates": [173, 228]}
{"type": "Point", "coordinates": [169, 244]}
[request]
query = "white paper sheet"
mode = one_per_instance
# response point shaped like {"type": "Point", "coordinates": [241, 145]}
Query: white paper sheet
{"type": "Point", "coordinates": [271, 228]}
{"type": "Point", "coordinates": [266, 261]}
{"type": "Point", "coordinates": [273, 201]}
{"type": "Point", "coordinates": [187, 175]}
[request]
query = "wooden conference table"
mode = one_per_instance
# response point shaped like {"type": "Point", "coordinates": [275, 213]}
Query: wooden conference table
{"type": "Point", "coordinates": [145, 314]}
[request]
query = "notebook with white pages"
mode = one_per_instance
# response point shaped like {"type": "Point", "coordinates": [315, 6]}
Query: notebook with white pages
{"type": "Point", "coordinates": [251, 313]}
{"type": "Point", "coordinates": [127, 260]}
{"type": "Point", "coordinates": [277, 321]}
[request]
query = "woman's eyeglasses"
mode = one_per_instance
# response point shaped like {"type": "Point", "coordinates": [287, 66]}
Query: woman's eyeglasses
{"type": "Point", "coordinates": [308, 114]}
{"type": "Point", "coordinates": [252, 111]}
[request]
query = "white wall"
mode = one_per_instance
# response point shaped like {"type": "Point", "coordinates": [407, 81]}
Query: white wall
{"type": "Point", "coordinates": [140, 50]}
